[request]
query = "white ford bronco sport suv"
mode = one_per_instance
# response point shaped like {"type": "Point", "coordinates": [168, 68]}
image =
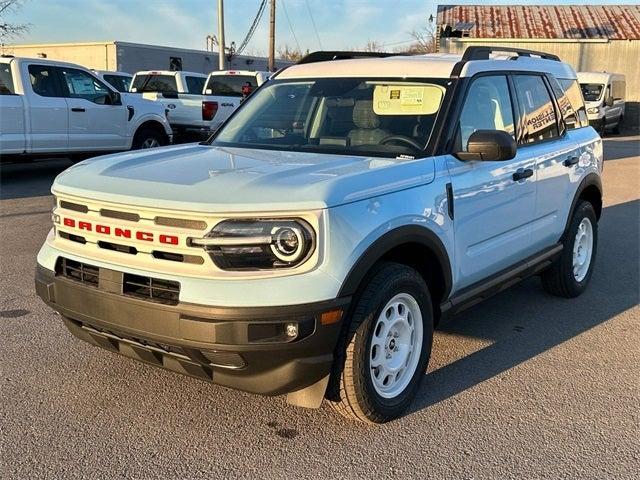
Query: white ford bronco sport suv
{"type": "Point", "coordinates": [310, 247]}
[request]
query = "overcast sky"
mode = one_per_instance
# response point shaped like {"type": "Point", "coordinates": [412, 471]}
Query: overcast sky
{"type": "Point", "coordinates": [341, 24]}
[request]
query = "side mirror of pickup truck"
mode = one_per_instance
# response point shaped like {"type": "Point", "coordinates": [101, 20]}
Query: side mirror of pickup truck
{"type": "Point", "coordinates": [489, 145]}
{"type": "Point", "coordinates": [116, 98]}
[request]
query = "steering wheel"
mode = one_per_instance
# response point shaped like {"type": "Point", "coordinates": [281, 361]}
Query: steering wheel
{"type": "Point", "coordinates": [402, 139]}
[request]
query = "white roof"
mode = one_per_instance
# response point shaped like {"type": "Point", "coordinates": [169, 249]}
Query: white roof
{"type": "Point", "coordinates": [238, 72]}
{"type": "Point", "coordinates": [423, 66]}
{"type": "Point", "coordinates": [110, 72]}
{"type": "Point", "coordinates": [171, 72]}
{"type": "Point", "coordinates": [598, 77]}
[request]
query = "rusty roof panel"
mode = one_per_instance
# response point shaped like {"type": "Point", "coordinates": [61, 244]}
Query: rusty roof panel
{"type": "Point", "coordinates": [615, 22]}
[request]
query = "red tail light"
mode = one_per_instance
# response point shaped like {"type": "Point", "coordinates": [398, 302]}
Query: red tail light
{"type": "Point", "coordinates": [209, 110]}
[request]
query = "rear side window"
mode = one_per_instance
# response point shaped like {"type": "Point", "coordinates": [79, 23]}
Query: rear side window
{"type": "Point", "coordinates": [486, 107]}
{"type": "Point", "coordinates": [6, 80]}
{"type": "Point", "coordinates": [119, 82]}
{"type": "Point", "coordinates": [43, 81]}
{"type": "Point", "coordinates": [230, 85]}
{"type": "Point", "coordinates": [571, 89]}
{"type": "Point", "coordinates": [83, 85]}
{"type": "Point", "coordinates": [538, 114]}
{"type": "Point", "coordinates": [566, 110]}
{"type": "Point", "coordinates": [154, 83]}
{"type": "Point", "coordinates": [195, 84]}
{"type": "Point", "coordinates": [618, 91]}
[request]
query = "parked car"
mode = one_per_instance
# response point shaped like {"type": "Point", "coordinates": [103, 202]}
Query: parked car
{"type": "Point", "coordinates": [121, 81]}
{"type": "Point", "coordinates": [604, 94]}
{"type": "Point", "coordinates": [191, 115]}
{"type": "Point", "coordinates": [313, 244]}
{"type": "Point", "coordinates": [49, 107]}
{"type": "Point", "coordinates": [230, 87]}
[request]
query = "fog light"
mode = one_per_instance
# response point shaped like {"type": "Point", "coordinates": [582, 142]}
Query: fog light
{"type": "Point", "coordinates": [291, 329]}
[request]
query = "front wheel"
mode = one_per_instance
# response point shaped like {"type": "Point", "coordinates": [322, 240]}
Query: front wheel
{"type": "Point", "coordinates": [384, 352]}
{"type": "Point", "coordinates": [571, 272]}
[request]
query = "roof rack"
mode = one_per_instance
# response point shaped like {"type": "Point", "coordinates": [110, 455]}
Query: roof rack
{"type": "Point", "coordinates": [325, 56]}
{"type": "Point", "coordinates": [483, 52]}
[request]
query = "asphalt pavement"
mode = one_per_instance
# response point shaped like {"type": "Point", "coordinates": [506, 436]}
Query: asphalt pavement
{"type": "Point", "coordinates": [523, 386]}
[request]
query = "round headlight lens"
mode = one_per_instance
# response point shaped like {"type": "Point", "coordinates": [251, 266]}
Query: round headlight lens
{"type": "Point", "coordinates": [287, 243]}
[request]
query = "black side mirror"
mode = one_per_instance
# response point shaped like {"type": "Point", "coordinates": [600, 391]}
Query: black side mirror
{"type": "Point", "coordinates": [116, 99]}
{"type": "Point", "coordinates": [492, 145]}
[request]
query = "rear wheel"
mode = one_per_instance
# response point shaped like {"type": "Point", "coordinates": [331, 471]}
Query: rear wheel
{"type": "Point", "coordinates": [385, 349]}
{"type": "Point", "coordinates": [147, 138]}
{"type": "Point", "coordinates": [571, 272]}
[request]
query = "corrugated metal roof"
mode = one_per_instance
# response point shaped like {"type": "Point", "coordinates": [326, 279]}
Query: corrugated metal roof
{"type": "Point", "coordinates": [616, 22]}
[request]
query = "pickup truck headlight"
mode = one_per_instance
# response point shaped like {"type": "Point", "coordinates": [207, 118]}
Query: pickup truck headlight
{"type": "Point", "coordinates": [259, 244]}
{"type": "Point", "coordinates": [593, 110]}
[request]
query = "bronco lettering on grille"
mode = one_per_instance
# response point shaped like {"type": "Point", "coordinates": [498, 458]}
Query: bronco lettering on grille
{"type": "Point", "coordinates": [120, 232]}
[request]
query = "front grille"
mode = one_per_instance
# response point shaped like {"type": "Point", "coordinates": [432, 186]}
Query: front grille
{"type": "Point", "coordinates": [76, 207]}
{"type": "Point", "coordinates": [78, 271]}
{"type": "Point", "coordinates": [131, 217]}
{"type": "Point", "coordinates": [151, 289]}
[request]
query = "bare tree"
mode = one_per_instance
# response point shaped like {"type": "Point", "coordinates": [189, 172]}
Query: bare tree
{"type": "Point", "coordinates": [10, 30]}
{"type": "Point", "coordinates": [372, 46]}
{"type": "Point", "coordinates": [424, 40]}
{"type": "Point", "coordinates": [290, 53]}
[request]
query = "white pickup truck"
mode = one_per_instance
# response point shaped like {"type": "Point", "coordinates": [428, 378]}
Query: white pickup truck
{"type": "Point", "coordinates": [121, 81]}
{"type": "Point", "coordinates": [56, 108]}
{"type": "Point", "coordinates": [198, 104]}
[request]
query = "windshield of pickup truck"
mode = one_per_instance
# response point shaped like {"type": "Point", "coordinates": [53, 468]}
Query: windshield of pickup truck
{"type": "Point", "coordinates": [154, 83]}
{"type": "Point", "coordinates": [346, 116]}
{"type": "Point", "coordinates": [591, 91]}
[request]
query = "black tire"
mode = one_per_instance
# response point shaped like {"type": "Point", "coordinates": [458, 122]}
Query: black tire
{"type": "Point", "coordinates": [618, 128]}
{"type": "Point", "coordinates": [351, 391]}
{"type": "Point", "coordinates": [145, 135]}
{"type": "Point", "coordinates": [559, 279]}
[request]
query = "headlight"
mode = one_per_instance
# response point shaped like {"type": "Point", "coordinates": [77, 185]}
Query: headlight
{"type": "Point", "coordinates": [258, 244]}
{"type": "Point", "coordinates": [593, 110]}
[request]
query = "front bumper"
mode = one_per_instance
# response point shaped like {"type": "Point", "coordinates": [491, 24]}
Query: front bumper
{"type": "Point", "coordinates": [227, 346]}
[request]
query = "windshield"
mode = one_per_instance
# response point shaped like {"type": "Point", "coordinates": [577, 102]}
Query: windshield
{"type": "Point", "coordinates": [591, 91]}
{"type": "Point", "coordinates": [119, 82]}
{"type": "Point", "coordinates": [154, 83]}
{"type": "Point", "coordinates": [349, 116]}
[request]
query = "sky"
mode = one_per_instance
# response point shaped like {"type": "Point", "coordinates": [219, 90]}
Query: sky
{"type": "Point", "coordinates": [341, 24]}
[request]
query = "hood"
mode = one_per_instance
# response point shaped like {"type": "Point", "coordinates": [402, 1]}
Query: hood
{"type": "Point", "coordinates": [204, 178]}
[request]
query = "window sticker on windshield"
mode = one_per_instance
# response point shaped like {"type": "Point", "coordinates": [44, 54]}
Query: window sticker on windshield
{"type": "Point", "coordinates": [407, 99]}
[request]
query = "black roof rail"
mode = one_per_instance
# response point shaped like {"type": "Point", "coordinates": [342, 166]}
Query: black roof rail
{"type": "Point", "coordinates": [483, 52]}
{"type": "Point", "coordinates": [325, 56]}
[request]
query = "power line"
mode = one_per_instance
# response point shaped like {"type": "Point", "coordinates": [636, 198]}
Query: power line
{"type": "Point", "coordinates": [313, 22]}
{"type": "Point", "coordinates": [286, 14]}
{"type": "Point", "coordinates": [252, 28]}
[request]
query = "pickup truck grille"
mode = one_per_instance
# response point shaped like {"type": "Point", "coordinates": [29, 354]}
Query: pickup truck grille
{"type": "Point", "coordinates": [78, 271]}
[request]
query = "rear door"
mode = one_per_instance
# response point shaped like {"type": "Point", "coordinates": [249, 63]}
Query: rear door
{"type": "Point", "coordinates": [94, 123]}
{"type": "Point", "coordinates": [48, 118]}
{"type": "Point", "coordinates": [12, 124]}
{"type": "Point", "coordinates": [494, 201]}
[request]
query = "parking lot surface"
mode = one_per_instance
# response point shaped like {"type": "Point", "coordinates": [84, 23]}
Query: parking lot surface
{"type": "Point", "coordinates": [525, 385]}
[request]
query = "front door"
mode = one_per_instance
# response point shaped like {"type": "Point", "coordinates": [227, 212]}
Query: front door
{"type": "Point", "coordinates": [494, 201]}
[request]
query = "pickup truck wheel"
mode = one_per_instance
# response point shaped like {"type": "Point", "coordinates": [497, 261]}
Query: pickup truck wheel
{"type": "Point", "coordinates": [147, 138]}
{"type": "Point", "coordinates": [618, 128]}
{"type": "Point", "coordinates": [569, 275]}
{"type": "Point", "coordinates": [384, 351]}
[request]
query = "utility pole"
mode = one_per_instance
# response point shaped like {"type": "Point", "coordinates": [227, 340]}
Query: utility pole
{"type": "Point", "coordinates": [272, 36]}
{"type": "Point", "coordinates": [222, 56]}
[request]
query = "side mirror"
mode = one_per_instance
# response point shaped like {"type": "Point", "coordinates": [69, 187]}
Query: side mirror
{"type": "Point", "coordinates": [116, 98]}
{"type": "Point", "coordinates": [609, 102]}
{"type": "Point", "coordinates": [208, 91]}
{"type": "Point", "coordinates": [489, 145]}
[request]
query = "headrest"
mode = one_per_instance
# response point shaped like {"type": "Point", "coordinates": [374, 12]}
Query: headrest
{"type": "Point", "coordinates": [363, 115]}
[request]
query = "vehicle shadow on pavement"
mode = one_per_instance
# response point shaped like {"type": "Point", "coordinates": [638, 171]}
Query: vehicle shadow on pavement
{"type": "Point", "coordinates": [29, 179]}
{"type": "Point", "coordinates": [621, 148]}
{"type": "Point", "coordinates": [525, 321]}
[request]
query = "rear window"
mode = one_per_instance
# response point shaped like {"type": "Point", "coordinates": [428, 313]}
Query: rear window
{"type": "Point", "coordinates": [195, 84]}
{"type": "Point", "coordinates": [119, 82]}
{"type": "Point", "coordinates": [6, 80]}
{"type": "Point", "coordinates": [154, 83]}
{"type": "Point", "coordinates": [230, 85]}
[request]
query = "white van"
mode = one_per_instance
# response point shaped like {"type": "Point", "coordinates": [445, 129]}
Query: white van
{"type": "Point", "coordinates": [604, 96]}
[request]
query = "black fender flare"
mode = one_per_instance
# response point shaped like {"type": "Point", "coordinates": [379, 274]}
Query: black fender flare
{"type": "Point", "coordinates": [592, 179]}
{"type": "Point", "coordinates": [394, 238]}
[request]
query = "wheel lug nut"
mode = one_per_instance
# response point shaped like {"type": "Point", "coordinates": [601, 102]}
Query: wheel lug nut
{"type": "Point", "coordinates": [388, 355]}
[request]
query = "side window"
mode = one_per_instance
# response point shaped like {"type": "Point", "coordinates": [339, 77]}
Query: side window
{"type": "Point", "coordinates": [82, 85]}
{"type": "Point", "coordinates": [538, 113]}
{"type": "Point", "coordinates": [195, 84]}
{"type": "Point", "coordinates": [573, 92]}
{"type": "Point", "coordinates": [6, 79]}
{"type": "Point", "coordinates": [566, 110]}
{"type": "Point", "coordinates": [43, 81]}
{"type": "Point", "coordinates": [486, 107]}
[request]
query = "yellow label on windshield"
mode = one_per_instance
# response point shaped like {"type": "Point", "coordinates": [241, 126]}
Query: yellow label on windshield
{"type": "Point", "coordinates": [407, 99]}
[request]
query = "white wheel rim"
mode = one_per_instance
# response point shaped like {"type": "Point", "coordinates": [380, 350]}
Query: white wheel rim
{"type": "Point", "coordinates": [582, 249]}
{"type": "Point", "coordinates": [150, 143]}
{"type": "Point", "coordinates": [396, 344]}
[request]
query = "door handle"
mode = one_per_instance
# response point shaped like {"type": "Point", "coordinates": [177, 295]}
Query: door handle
{"type": "Point", "coordinates": [571, 161]}
{"type": "Point", "coordinates": [522, 173]}
{"type": "Point", "coordinates": [75, 109]}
